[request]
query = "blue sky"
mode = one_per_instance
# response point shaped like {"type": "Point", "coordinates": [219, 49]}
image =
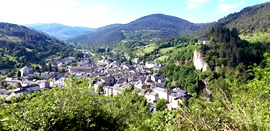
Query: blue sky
{"type": "Point", "coordinates": [97, 13]}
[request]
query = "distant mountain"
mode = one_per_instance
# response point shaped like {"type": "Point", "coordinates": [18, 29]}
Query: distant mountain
{"type": "Point", "coordinates": [60, 31]}
{"type": "Point", "coordinates": [19, 45]}
{"type": "Point", "coordinates": [254, 18]}
{"type": "Point", "coordinates": [147, 28]}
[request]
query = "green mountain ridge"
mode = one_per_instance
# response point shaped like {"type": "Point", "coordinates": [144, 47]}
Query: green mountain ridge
{"type": "Point", "coordinates": [249, 19]}
{"type": "Point", "coordinates": [147, 28]}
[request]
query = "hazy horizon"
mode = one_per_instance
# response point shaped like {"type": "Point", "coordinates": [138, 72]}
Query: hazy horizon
{"type": "Point", "coordinates": [98, 13]}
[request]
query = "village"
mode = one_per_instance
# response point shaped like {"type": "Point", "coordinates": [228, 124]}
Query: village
{"type": "Point", "coordinates": [112, 77]}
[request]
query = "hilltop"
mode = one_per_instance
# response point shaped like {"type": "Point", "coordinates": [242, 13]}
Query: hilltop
{"type": "Point", "coordinates": [147, 28]}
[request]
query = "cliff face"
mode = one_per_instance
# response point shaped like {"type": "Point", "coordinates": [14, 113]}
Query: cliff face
{"type": "Point", "coordinates": [198, 61]}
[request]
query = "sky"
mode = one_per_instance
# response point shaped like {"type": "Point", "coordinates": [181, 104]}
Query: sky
{"type": "Point", "coordinates": [98, 13]}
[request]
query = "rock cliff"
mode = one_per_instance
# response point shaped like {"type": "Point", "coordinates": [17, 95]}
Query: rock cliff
{"type": "Point", "coordinates": [198, 61]}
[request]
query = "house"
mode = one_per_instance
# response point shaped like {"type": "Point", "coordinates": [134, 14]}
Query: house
{"type": "Point", "coordinates": [142, 91]}
{"type": "Point", "coordinates": [128, 67]}
{"type": "Point", "coordinates": [45, 75]}
{"type": "Point", "coordinates": [137, 60]}
{"type": "Point", "coordinates": [116, 89]}
{"type": "Point", "coordinates": [149, 65]}
{"type": "Point", "coordinates": [162, 93]}
{"type": "Point", "coordinates": [68, 61]}
{"type": "Point", "coordinates": [108, 90]}
{"type": "Point", "coordinates": [32, 88]}
{"type": "Point", "coordinates": [203, 40]}
{"type": "Point", "coordinates": [108, 81]}
{"type": "Point", "coordinates": [27, 89]}
{"type": "Point", "coordinates": [26, 70]}
{"type": "Point", "coordinates": [151, 97]}
{"type": "Point", "coordinates": [156, 78]}
{"type": "Point", "coordinates": [140, 85]}
{"type": "Point", "coordinates": [43, 83]}
{"type": "Point", "coordinates": [177, 97]}
{"type": "Point", "coordinates": [81, 69]}
{"type": "Point", "coordinates": [115, 64]}
{"type": "Point", "coordinates": [58, 83]}
{"type": "Point", "coordinates": [121, 80]}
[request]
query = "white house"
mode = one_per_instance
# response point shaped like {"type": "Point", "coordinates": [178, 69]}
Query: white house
{"type": "Point", "coordinates": [150, 65]}
{"type": "Point", "coordinates": [26, 70]}
{"type": "Point", "coordinates": [203, 40]}
{"type": "Point", "coordinates": [43, 83]}
{"type": "Point", "coordinates": [156, 77]}
{"type": "Point", "coordinates": [137, 60]}
{"type": "Point", "coordinates": [151, 97]}
{"type": "Point", "coordinates": [176, 97]}
{"type": "Point", "coordinates": [162, 93]}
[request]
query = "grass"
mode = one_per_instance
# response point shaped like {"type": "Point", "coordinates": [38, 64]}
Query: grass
{"type": "Point", "coordinates": [256, 37]}
{"type": "Point", "coordinates": [162, 58]}
{"type": "Point", "coordinates": [149, 48]}
{"type": "Point", "coordinates": [11, 39]}
{"type": "Point", "coordinates": [145, 49]}
{"type": "Point", "coordinates": [166, 50]}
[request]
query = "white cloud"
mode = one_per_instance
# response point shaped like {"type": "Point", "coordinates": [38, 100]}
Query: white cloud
{"type": "Point", "coordinates": [227, 8]}
{"type": "Point", "coordinates": [192, 6]}
{"type": "Point", "coordinates": [222, 1]}
{"type": "Point", "coordinates": [196, 3]}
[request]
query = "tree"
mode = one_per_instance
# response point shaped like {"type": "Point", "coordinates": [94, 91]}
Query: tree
{"type": "Point", "coordinates": [50, 68]}
{"type": "Point", "coordinates": [161, 105]}
{"type": "Point", "coordinates": [56, 69]}
{"type": "Point", "coordinates": [75, 108]}
{"type": "Point", "coordinates": [37, 68]}
{"type": "Point", "coordinates": [44, 66]}
{"type": "Point", "coordinates": [99, 89]}
{"type": "Point", "coordinates": [19, 75]}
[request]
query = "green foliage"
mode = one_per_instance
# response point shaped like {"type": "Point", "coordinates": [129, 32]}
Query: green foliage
{"type": "Point", "coordinates": [228, 50]}
{"type": "Point", "coordinates": [99, 89]}
{"type": "Point", "coordinates": [181, 70]}
{"type": "Point", "coordinates": [239, 107]}
{"type": "Point", "coordinates": [74, 107]}
{"type": "Point", "coordinates": [161, 105]}
{"type": "Point", "coordinates": [30, 46]}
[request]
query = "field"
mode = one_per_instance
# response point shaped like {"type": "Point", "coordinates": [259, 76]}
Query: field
{"type": "Point", "coordinates": [162, 59]}
{"type": "Point", "coordinates": [257, 36]}
{"type": "Point", "coordinates": [145, 49]}
{"type": "Point", "coordinates": [166, 50]}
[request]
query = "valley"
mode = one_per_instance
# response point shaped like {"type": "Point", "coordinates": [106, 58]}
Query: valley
{"type": "Point", "coordinates": [157, 72]}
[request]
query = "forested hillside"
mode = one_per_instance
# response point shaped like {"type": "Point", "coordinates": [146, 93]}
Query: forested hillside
{"type": "Point", "coordinates": [250, 19]}
{"type": "Point", "coordinates": [148, 28]}
{"type": "Point", "coordinates": [227, 56]}
{"type": "Point", "coordinates": [20, 45]}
